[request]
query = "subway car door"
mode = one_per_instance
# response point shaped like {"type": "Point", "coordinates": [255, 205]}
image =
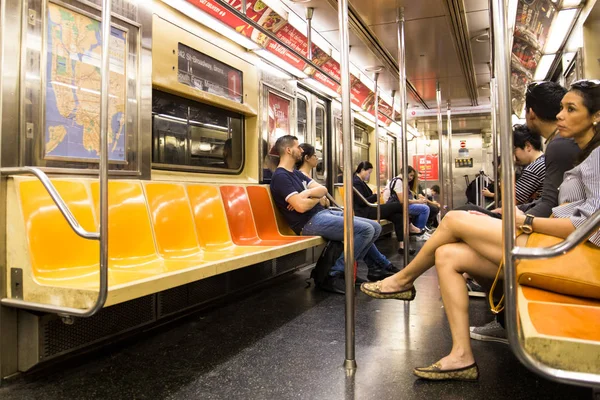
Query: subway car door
{"type": "Point", "coordinates": [313, 128]}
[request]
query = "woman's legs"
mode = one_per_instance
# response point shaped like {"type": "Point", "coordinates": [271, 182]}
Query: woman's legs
{"type": "Point", "coordinates": [452, 260]}
{"type": "Point", "coordinates": [483, 234]}
{"type": "Point", "coordinates": [392, 212]}
{"type": "Point", "coordinates": [421, 212]}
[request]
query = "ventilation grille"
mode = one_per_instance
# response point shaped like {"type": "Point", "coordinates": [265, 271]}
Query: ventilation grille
{"type": "Point", "coordinates": [290, 262]}
{"type": "Point", "coordinates": [177, 299]}
{"type": "Point", "coordinates": [244, 277]}
{"type": "Point", "coordinates": [58, 338]}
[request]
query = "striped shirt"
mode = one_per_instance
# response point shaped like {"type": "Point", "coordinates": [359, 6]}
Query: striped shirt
{"type": "Point", "coordinates": [581, 191]}
{"type": "Point", "coordinates": [529, 186]}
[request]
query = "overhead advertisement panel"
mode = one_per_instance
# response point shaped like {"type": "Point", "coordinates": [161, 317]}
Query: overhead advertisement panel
{"type": "Point", "coordinates": [534, 18]}
{"type": "Point", "coordinates": [286, 34]}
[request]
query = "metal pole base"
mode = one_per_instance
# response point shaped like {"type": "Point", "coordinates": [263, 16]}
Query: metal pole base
{"type": "Point", "coordinates": [350, 364]}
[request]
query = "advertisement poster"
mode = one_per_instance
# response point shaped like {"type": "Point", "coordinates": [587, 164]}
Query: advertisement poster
{"type": "Point", "coordinates": [532, 25]}
{"type": "Point", "coordinates": [279, 121]}
{"type": "Point", "coordinates": [426, 166]}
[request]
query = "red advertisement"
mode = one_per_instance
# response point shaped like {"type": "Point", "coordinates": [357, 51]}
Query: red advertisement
{"type": "Point", "coordinates": [279, 122]}
{"type": "Point", "coordinates": [362, 96]}
{"type": "Point", "coordinates": [385, 108]}
{"type": "Point", "coordinates": [287, 56]}
{"type": "Point", "coordinates": [325, 80]}
{"type": "Point", "coordinates": [332, 68]}
{"type": "Point", "coordinates": [426, 166]}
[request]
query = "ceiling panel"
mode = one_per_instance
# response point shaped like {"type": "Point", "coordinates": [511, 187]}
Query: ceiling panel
{"type": "Point", "coordinates": [385, 11]}
{"type": "Point", "coordinates": [476, 5]}
{"type": "Point", "coordinates": [430, 50]}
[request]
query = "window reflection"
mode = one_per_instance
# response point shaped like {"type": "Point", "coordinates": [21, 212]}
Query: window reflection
{"type": "Point", "coordinates": [191, 134]}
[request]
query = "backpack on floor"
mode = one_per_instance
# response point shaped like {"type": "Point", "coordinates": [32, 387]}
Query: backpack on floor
{"type": "Point", "coordinates": [332, 251]}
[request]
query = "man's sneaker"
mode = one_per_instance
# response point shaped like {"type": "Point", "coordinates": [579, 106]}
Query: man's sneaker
{"type": "Point", "coordinates": [392, 268]}
{"type": "Point", "coordinates": [334, 284]}
{"type": "Point", "coordinates": [490, 332]}
{"type": "Point", "coordinates": [474, 288]}
{"type": "Point", "coordinates": [359, 281]}
{"type": "Point", "coordinates": [378, 274]}
{"type": "Point", "coordinates": [422, 238]}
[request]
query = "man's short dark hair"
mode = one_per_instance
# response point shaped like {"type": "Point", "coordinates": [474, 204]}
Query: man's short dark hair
{"type": "Point", "coordinates": [436, 189]}
{"type": "Point", "coordinates": [523, 135]}
{"type": "Point", "coordinates": [284, 142]}
{"type": "Point", "coordinates": [544, 99]}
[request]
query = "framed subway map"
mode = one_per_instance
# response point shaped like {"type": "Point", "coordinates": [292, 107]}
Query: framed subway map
{"type": "Point", "coordinates": [72, 87]}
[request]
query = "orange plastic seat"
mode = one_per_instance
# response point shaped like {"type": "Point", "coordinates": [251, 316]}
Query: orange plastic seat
{"type": "Point", "coordinates": [131, 250]}
{"type": "Point", "coordinates": [241, 221]}
{"type": "Point", "coordinates": [264, 215]}
{"type": "Point", "coordinates": [211, 224]}
{"type": "Point", "coordinates": [59, 257]}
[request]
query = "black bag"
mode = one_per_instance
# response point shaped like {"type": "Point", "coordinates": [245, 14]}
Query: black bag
{"type": "Point", "coordinates": [393, 195]}
{"type": "Point", "coordinates": [472, 192]}
{"type": "Point", "coordinates": [332, 251]}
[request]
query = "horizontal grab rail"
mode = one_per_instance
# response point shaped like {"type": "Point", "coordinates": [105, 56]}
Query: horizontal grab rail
{"type": "Point", "coordinates": [360, 196]}
{"type": "Point", "coordinates": [62, 206]}
{"type": "Point", "coordinates": [580, 235]}
{"type": "Point", "coordinates": [102, 235]}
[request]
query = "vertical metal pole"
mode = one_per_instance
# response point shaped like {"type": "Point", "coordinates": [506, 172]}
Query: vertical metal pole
{"type": "Point", "coordinates": [402, 89]}
{"type": "Point", "coordinates": [309, 14]}
{"type": "Point", "coordinates": [350, 361]}
{"type": "Point", "coordinates": [393, 109]}
{"type": "Point", "coordinates": [244, 7]}
{"type": "Point", "coordinates": [377, 163]}
{"type": "Point", "coordinates": [450, 160]}
{"type": "Point", "coordinates": [103, 167]}
{"type": "Point", "coordinates": [438, 97]}
{"type": "Point", "coordinates": [493, 100]}
{"type": "Point", "coordinates": [502, 58]}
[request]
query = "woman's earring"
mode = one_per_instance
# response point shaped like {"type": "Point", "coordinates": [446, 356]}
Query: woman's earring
{"type": "Point", "coordinates": [595, 123]}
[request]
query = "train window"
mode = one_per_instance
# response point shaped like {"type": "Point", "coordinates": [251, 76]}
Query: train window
{"type": "Point", "coordinates": [320, 141]}
{"type": "Point", "coordinates": [302, 119]}
{"type": "Point", "coordinates": [193, 136]}
{"type": "Point", "coordinates": [360, 150]}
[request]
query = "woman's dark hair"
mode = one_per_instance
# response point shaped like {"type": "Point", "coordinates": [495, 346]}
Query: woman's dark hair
{"type": "Point", "coordinates": [308, 151]}
{"type": "Point", "coordinates": [522, 135]}
{"type": "Point", "coordinates": [590, 93]}
{"type": "Point", "coordinates": [363, 166]}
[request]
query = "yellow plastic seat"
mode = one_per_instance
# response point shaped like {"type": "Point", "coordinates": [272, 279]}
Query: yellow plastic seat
{"type": "Point", "coordinates": [131, 250]}
{"type": "Point", "coordinates": [172, 220]}
{"type": "Point", "coordinates": [59, 257]}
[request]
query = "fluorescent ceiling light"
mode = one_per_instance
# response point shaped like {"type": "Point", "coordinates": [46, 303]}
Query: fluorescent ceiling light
{"type": "Point", "coordinates": [559, 29]}
{"type": "Point", "coordinates": [212, 23]}
{"type": "Point", "coordinates": [267, 55]}
{"type": "Point", "coordinates": [570, 3]}
{"type": "Point", "coordinates": [320, 87]}
{"type": "Point", "coordinates": [543, 67]}
{"type": "Point", "coordinates": [268, 67]}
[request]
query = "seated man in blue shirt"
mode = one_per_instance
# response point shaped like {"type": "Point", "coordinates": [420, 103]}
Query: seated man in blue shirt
{"type": "Point", "coordinates": [297, 197]}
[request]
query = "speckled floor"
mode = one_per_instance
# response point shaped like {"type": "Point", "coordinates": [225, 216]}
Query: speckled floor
{"type": "Point", "coordinates": [287, 342]}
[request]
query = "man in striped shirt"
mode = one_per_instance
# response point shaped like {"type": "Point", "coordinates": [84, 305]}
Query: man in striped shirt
{"type": "Point", "coordinates": [528, 154]}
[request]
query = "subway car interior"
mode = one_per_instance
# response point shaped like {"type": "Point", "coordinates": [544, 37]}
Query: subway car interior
{"type": "Point", "coordinates": [175, 217]}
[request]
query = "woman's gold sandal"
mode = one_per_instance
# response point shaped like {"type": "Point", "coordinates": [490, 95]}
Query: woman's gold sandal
{"type": "Point", "coordinates": [373, 289]}
{"type": "Point", "coordinates": [435, 373]}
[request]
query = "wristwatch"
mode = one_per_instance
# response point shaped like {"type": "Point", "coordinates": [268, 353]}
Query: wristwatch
{"type": "Point", "coordinates": [527, 226]}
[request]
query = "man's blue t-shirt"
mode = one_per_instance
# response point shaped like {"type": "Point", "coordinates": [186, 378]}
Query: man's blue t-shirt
{"type": "Point", "coordinates": [285, 184]}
